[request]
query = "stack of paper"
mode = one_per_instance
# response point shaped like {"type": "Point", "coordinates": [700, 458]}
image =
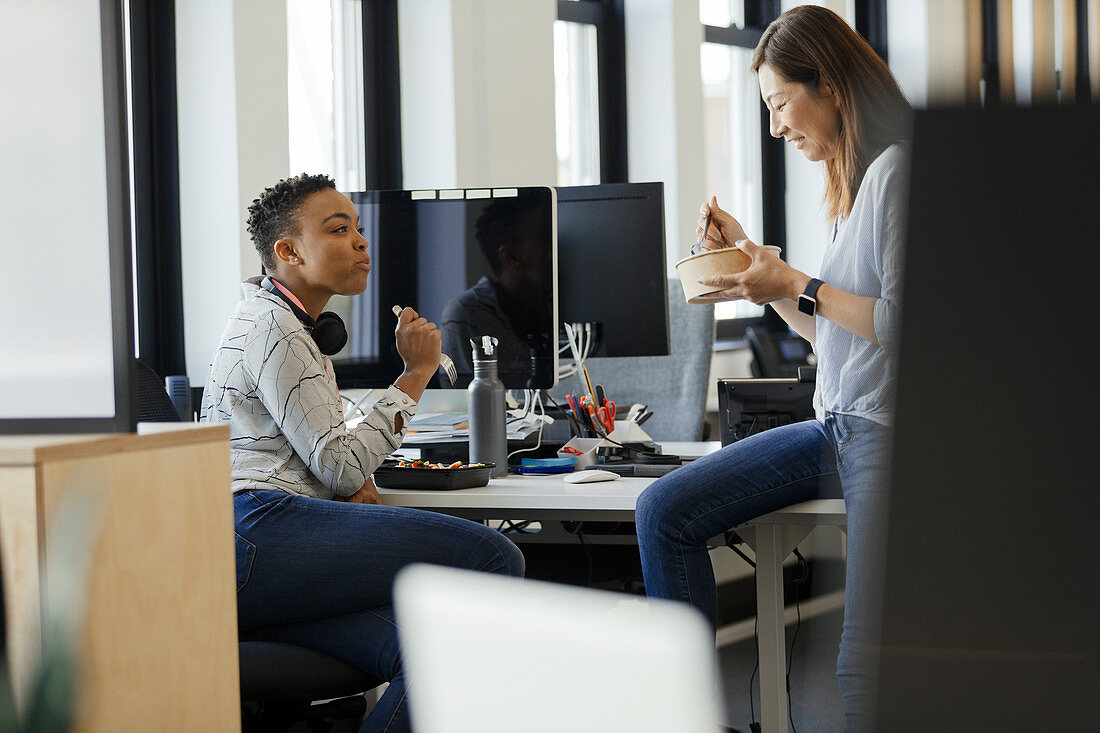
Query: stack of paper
{"type": "Point", "coordinates": [439, 422]}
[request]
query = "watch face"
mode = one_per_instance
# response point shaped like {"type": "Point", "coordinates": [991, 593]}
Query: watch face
{"type": "Point", "coordinates": [807, 305]}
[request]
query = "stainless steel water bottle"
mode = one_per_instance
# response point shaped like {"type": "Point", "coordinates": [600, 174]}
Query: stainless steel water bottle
{"type": "Point", "coordinates": [485, 397]}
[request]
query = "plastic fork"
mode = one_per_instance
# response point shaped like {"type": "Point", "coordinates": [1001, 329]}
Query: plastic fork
{"type": "Point", "coordinates": [445, 362]}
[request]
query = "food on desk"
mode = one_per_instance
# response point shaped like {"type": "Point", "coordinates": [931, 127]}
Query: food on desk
{"type": "Point", "coordinates": [429, 464]}
{"type": "Point", "coordinates": [402, 474]}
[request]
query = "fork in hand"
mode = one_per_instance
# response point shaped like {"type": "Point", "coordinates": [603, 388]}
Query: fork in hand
{"type": "Point", "coordinates": [445, 362]}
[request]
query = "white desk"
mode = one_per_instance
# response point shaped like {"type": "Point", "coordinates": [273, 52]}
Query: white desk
{"type": "Point", "coordinates": [772, 536]}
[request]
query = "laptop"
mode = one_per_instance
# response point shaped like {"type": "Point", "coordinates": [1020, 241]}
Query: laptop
{"type": "Point", "coordinates": [488, 653]}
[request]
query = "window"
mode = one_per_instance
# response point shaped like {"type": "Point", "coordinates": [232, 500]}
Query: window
{"type": "Point", "coordinates": [590, 92]}
{"type": "Point", "coordinates": [576, 103]}
{"type": "Point", "coordinates": [731, 129]}
{"type": "Point", "coordinates": [325, 90]}
{"type": "Point", "coordinates": [744, 168]}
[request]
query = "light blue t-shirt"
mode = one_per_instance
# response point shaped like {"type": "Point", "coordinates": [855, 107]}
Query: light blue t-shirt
{"type": "Point", "coordinates": [854, 376]}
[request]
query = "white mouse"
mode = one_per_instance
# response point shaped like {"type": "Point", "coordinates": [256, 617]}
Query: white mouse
{"type": "Point", "coordinates": [588, 476]}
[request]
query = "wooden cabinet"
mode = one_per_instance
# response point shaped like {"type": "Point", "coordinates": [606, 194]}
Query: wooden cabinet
{"type": "Point", "coordinates": [157, 641]}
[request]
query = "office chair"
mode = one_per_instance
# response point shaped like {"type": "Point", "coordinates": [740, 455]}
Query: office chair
{"type": "Point", "coordinates": [279, 682]}
{"type": "Point", "coordinates": [768, 358]}
{"type": "Point", "coordinates": [674, 386]}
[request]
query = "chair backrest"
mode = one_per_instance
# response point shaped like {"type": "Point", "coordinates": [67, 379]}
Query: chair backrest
{"type": "Point", "coordinates": [489, 653]}
{"type": "Point", "coordinates": [153, 402]}
{"type": "Point", "coordinates": [674, 386]}
{"type": "Point", "coordinates": [765, 353]}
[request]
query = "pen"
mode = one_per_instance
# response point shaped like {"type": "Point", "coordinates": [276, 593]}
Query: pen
{"type": "Point", "coordinates": [588, 381]}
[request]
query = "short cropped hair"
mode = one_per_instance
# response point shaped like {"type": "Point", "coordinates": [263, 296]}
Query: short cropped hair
{"type": "Point", "coordinates": [274, 213]}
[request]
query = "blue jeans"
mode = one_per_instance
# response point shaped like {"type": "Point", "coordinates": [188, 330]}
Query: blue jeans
{"type": "Point", "coordinates": [768, 471]}
{"type": "Point", "coordinates": [320, 574]}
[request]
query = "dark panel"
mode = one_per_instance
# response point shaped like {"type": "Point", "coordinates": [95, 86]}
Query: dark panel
{"type": "Point", "coordinates": [991, 607]}
{"type": "Point", "coordinates": [611, 52]}
{"type": "Point", "coordinates": [871, 24]}
{"type": "Point", "coordinates": [382, 94]}
{"type": "Point", "coordinates": [159, 276]}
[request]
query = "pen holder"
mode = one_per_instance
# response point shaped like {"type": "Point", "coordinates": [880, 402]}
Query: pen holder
{"type": "Point", "coordinates": [629, 432]}
{"type": "Point", "coordinates": [585, 448]}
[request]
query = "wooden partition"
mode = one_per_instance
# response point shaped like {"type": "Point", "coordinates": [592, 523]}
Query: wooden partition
{"type": "Point", "coordinates": [157, 639]}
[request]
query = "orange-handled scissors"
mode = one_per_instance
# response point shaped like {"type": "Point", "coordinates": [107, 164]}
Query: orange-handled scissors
{"type": "Point", "coordinates": [606, 415]}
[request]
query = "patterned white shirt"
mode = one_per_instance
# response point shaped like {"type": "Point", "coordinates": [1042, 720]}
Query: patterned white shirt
{"type": "Point", "coordinates": [277, 391]}
{"type": "Point", "coordinates": [855, 376]}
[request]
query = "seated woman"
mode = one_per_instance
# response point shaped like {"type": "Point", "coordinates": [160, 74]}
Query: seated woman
{"type": "Point", "coordinates": [830, 95]}
{"type": "Point", "coordinates": [316, 550]}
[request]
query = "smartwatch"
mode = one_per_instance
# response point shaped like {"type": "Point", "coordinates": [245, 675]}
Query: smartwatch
{"type": "Point", "coordinates": [807, 301]}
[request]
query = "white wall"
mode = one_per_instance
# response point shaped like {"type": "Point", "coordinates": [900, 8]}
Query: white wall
{"type": "Point", "coordinates": [429, 153]}
{"type": "Point", "coordinates": [233, 141]}
{"type": "Point", "coordinates": [665, 111]}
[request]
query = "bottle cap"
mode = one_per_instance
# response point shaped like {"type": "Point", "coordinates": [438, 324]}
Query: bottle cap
{"type": "Point", "coordinates": [485, 348]}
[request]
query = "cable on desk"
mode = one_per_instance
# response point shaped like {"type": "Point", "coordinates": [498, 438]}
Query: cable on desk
{"type": "Point", "coordinates": [568, 413]}
{"type": "Point", "coordinates": [521, 527]}
{"type": "Point", "coordinates": [542, 424]}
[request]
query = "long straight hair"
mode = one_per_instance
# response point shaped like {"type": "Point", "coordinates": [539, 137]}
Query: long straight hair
{"type": "Point", "coordinates": [813, 46]}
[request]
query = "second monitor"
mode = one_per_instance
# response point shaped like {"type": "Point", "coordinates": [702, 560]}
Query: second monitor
{"type": "Point", "coordinates": [611, 266]}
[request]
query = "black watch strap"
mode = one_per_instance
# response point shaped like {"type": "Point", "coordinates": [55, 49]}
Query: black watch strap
{"type": "Point", "coordinates": [807, 302]}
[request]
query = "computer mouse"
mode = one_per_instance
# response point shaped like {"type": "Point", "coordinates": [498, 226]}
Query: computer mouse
{"type": "Point", "coordinates": [589, 475]}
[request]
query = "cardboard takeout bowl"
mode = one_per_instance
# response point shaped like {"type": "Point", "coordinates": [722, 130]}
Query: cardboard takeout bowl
{"type": "Point", "coordinates": [725, 261]}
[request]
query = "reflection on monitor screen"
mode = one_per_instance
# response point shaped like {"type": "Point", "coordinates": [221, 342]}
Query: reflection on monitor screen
{"type": "Point", "coordinates": [476, 262]}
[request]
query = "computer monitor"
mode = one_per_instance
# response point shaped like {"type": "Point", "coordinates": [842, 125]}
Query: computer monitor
{"type": "Point", "coordinates": [611, 260]}
{"type": "Point", "coordinates": [476, 262]}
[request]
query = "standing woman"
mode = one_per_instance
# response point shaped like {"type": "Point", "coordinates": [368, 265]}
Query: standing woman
{"type": "Point", "coordinates": [835, 100]}
{"type": "Point", "coordinates": [316, 551]}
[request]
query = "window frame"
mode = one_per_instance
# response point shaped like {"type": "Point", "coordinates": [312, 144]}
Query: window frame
{"type": "Point", "coordinates": [156, 215]}
{"type": "Point", "coordinates": [381, 96]}
{"type": "Point", "coordinates": [609, 20]}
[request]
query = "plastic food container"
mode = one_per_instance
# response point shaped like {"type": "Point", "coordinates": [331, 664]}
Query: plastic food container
{"type": "Point", "coordinates": [390, 476]}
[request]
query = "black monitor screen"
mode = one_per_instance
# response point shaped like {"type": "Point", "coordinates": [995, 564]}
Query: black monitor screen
{"type": "Point", "coordinates": [611, 260]}
{"type": "Point", "coordinates": [476, 262]}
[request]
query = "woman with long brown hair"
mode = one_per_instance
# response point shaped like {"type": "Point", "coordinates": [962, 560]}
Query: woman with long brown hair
{"type": "Point", "coordinates": [835, 100]}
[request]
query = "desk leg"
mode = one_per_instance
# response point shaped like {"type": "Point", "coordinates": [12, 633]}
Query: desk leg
{"type": "Point", "coordinates": [770, 628]}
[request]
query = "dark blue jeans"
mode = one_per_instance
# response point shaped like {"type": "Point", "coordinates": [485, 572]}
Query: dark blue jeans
{"type": "Point", "coordinates": [752, 477]}
{"type": "Point", "coordinates": [320, 574]}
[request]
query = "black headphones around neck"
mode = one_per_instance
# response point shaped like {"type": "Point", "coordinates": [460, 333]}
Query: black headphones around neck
{"type": "Point", "coordinates": [328, 331]}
